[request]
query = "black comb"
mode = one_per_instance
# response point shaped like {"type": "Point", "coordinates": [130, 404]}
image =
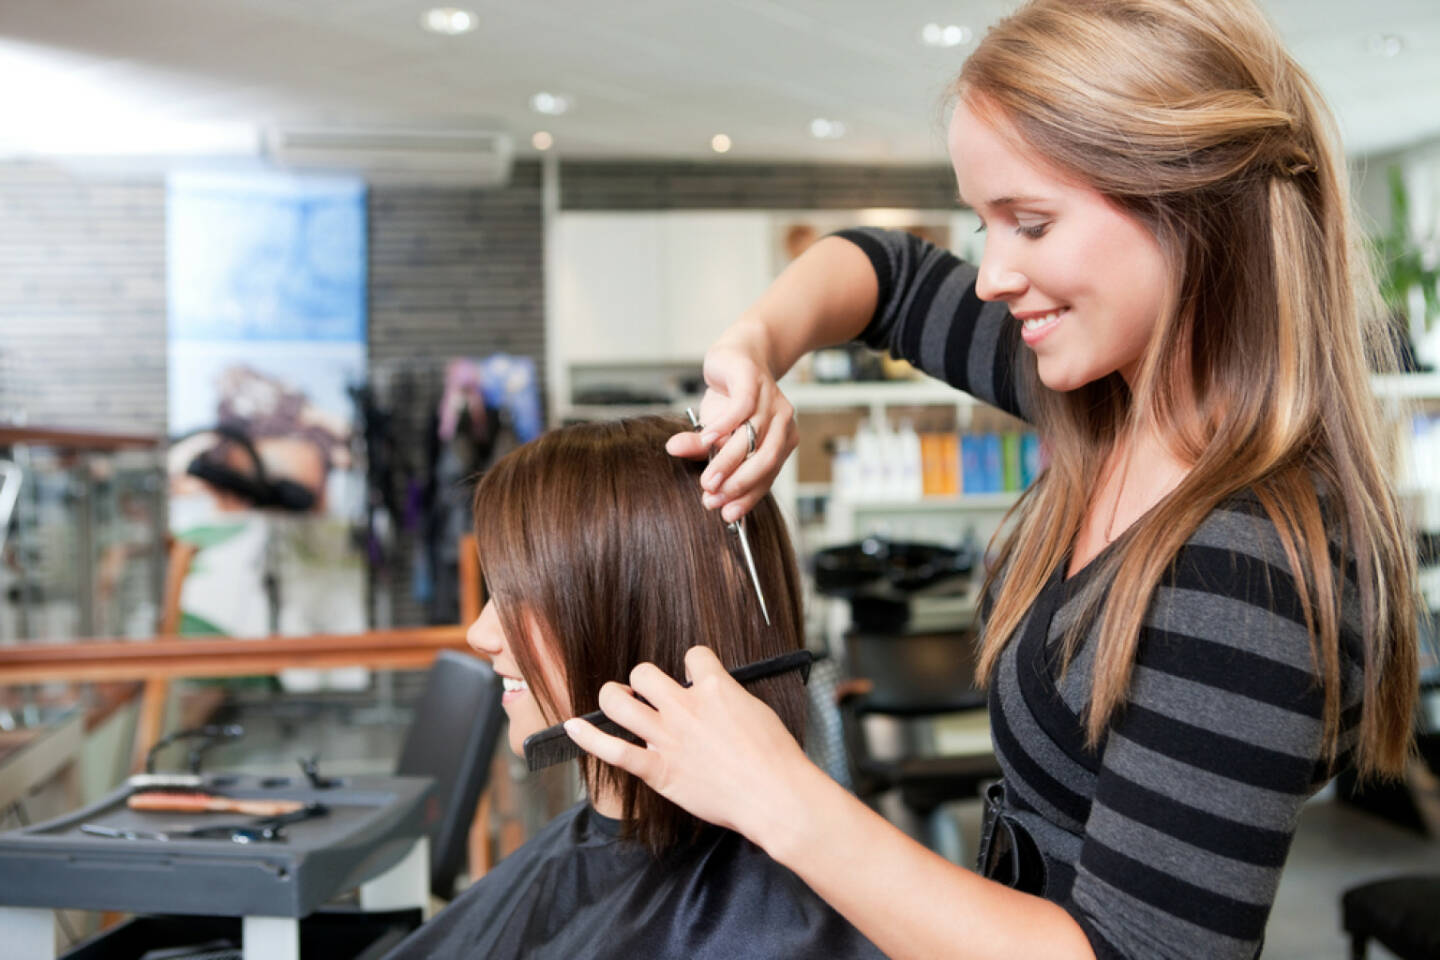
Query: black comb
{"type": "Point", "coordinates": [552, 745]}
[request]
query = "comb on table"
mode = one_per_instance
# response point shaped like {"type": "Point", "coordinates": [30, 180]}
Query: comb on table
{"type": "Point", "coordinates": [552, 745]}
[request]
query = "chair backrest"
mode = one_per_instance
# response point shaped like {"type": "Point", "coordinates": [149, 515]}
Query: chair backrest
{"type": "Point", "coordinates": [915, 675]}
{"type": "Point", "coordinates": [452, 740]}
{"type": "Point", "coordinates": [912, 677]}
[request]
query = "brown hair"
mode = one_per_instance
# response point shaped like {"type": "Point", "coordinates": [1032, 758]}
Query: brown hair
{"type": "Point", "coordinates": [597, 535]}
{"type": "Point", "coordinates": [1192, 117]}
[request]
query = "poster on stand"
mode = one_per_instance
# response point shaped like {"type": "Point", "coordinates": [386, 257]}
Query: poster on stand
{"type": "Point", "coordinates": [266, 282]}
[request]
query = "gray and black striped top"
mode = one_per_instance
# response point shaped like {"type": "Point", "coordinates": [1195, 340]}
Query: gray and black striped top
{"type": "Point", "coordinates": [1168, 839]}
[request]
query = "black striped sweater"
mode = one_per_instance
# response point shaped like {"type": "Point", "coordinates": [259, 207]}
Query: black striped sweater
{"type": "Point", "coordinates": [1167, 840]}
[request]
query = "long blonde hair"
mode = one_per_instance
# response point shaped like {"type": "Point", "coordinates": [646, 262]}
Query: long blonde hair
{"type": "Point", "coordinates": [1191, 117]}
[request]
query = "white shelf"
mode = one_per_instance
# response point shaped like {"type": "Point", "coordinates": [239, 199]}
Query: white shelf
{"type": "Point", "coordinates": [615, 411]}
{"type": "Point", "coordinates": [965, 501]}
{"type": "Point", "coordinates": [828, 396]}
{"type": "Point", "coordinates": [1407, 386]}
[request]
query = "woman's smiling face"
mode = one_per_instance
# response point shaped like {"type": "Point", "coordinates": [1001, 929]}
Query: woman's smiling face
{"type": "Point", "coordinates": [487, 637]}
{"type": "Point", "coordinates": [1086, 280]}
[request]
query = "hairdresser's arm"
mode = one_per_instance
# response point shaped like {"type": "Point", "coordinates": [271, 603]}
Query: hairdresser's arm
{"type": "Point", "coordinates": [826, 296]}
{"type": "Point", "coordinates": [725, 756]}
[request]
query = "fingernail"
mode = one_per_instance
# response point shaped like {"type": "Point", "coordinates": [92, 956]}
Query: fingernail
{"type": "Point", "coordinates": [570, 727]}
{"type": "Point", "coordinates": [730, 513]}
{"type": "Point", "coordinates": [707, 480]}
{"type": "Point", "coordinates": [709, 437]}
{"type": "Point", "coordinates": [711, 500]}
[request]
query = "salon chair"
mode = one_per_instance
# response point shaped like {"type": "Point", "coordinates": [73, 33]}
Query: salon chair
{"type": "Point", "coordinates": [899, 671]}
{"type": "Point", "coordinates": [1399, 912]}
{"type": "Point", "coordinates": [912, 678]}
{"type": "Point", "coordinates": [452, 740]}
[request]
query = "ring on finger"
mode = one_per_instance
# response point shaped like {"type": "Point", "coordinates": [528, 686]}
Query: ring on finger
{"type": "Point", "coordinates": [749, 439]}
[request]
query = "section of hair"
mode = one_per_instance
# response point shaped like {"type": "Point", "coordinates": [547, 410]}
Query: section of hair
{"type": "Point", "coordinates": [597, 536]}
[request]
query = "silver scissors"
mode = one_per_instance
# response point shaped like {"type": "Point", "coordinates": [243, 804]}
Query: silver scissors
{"type": "Point", "coordinates": [738, 527]}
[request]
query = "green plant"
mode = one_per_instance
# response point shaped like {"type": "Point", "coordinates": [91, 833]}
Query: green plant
{"type": "Point", "coordinates": [1400, 261]}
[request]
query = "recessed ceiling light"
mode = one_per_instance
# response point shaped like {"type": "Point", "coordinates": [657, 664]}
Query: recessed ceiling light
{"type": "Point", "coordinates": [542, 140]}
{"type": "Point", "coordinates": [720, 143]}
{"type": "Point", "coordinates": [1387, 45]}
{"type": "Point", "coordinates": [823, 129]}
{"type": "Point", "coordinates": [551, 104]}
{"type": "Point", "coordinates": [451, 21]}
{"type": "Point", "coordinates": [947, 35]}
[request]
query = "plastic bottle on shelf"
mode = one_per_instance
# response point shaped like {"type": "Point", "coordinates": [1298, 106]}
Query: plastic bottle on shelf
{"type": "Point", "coordinates": [892, 460]}
{"type": "Point", "coordinates": [912, 478]}
{"type": "Point", "coordinates": [950, 465]}
{"type": "Point", "coordinates": [869, 463]}
{"type": "Point", "coordinates": [889, 461]}
{"type": "Point", "coordinates": [844, 470]}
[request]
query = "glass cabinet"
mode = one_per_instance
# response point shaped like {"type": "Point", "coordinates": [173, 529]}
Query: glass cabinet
{"type": "Point", "coordinates": [82, 534]}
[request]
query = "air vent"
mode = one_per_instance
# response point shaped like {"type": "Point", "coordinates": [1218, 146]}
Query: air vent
{"type": "Point", "coordinates": [438, 157]}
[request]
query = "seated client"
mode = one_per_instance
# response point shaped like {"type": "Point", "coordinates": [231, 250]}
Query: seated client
{"type": "Point", "coordinates": [597, 555]}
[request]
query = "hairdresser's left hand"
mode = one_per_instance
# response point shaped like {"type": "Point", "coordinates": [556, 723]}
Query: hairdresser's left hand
{"type": "Point", "coordinates": [712, 748]}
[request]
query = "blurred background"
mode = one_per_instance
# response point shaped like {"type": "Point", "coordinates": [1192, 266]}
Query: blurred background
{"type": "Point", "coordinates": [279, 278]}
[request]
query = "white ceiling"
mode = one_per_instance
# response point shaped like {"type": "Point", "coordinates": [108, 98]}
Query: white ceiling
{"type": "Point", "coordinates": [650, 78]}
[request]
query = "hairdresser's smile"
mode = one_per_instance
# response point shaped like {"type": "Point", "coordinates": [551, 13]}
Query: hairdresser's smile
{"type": "Point", "coordinates": [1036, 325]}
{"type": "Point", "coordinates": [1085, 280]}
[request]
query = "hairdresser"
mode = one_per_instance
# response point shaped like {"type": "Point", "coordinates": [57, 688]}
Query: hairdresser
{"type": "Point", "coordinates": [1206, 606]}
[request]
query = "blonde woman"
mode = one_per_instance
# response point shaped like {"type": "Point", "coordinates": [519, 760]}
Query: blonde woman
{"type": "Point", "coordinates": [1207, 606]}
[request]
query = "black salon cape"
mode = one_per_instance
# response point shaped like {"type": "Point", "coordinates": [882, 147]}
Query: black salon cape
{"type": "Point", "coordinates": [577, 891]}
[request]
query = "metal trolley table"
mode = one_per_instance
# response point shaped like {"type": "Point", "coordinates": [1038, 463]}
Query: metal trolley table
{"type": "Point", "coordinates": [372, 838]}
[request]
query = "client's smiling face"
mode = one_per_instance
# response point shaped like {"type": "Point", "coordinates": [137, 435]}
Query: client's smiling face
{"type": "Point", "coordinates": [488, 638]}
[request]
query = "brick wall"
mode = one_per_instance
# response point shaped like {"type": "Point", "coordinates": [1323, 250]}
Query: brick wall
{"type": "Point", "coordinates": [82, 300]}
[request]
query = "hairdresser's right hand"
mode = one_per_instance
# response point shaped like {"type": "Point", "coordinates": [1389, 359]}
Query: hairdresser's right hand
{"type": "Point", "coordinates": [740, 386]}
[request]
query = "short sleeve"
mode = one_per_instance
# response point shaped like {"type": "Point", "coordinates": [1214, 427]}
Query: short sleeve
{"type": "Point", "coordinates": [928, 313]}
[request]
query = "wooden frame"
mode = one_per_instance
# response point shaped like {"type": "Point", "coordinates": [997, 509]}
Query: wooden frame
{"type": "Point", "coordinates": [101, 660]}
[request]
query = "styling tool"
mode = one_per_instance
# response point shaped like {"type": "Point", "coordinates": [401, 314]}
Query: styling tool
{"type": "Point", "coordinates": [168, 802]}
{"type": "Point", "coordinates": [310, 766]}
{"type": "Point", "coordinates": [122, 833]}
{"type": "Point", "coordinates": [185, 782]}
{"type": "Point", "coordinates": [269, 829]}
{"type": "Point", "coordinates": [264, 830]}
{"type": "Point", "coordinates": [552, 745]}
{"type": "Point", "coordinates": [738, 527]}
{"type": "Point", "coordinates": [206, 737]}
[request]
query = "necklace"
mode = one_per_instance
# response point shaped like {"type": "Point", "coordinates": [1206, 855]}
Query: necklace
{"type": "Point", "coordinates": [1115, 507]}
